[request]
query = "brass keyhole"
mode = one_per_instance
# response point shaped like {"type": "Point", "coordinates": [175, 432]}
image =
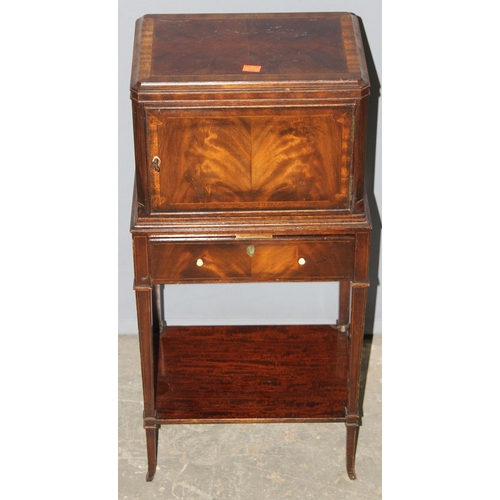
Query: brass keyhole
{"type": "Point", "coordinates": [156, 163]}
{"type": "Point", "coordinates": [250, 250]}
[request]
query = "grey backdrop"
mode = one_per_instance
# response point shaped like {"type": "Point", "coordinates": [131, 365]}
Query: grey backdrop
{"type": "Point", "coordinates": [248, 303]}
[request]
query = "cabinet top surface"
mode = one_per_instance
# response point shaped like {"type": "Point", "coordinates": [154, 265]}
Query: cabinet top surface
{"type": "Point", "coordinates": [248, 49]}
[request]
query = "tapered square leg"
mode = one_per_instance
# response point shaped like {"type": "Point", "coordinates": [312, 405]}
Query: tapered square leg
{"type": "Point", "coordinates": [145, 303]}
{"type": "Point", "coordinates": [351, 441]}
{"type": "Point", "coordinates": [152, 449]}
{"type": "Point", "coordinates": [356, 331]}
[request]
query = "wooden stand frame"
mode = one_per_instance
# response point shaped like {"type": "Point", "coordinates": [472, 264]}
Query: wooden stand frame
{"type": "Point", "coordinates": [267, 374]}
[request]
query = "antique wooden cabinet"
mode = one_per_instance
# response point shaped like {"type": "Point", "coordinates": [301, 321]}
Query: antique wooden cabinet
{"type": "Point", "coordinates": [249, 147]}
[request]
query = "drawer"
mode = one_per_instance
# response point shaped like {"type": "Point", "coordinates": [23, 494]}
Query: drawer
{"type": "Point", "coordinates": [251, 260]}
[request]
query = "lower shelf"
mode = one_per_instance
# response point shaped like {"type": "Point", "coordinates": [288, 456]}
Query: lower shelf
{"type": "Point", "coordinates": [251, 373]}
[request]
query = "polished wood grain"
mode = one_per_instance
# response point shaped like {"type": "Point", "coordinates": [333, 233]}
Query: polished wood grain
{"type": "Point", "coordinates": [254, 160]}
{"type": "Point", "coordinates": [225, 45]}
{"type": "Point", "coordinates": [270, 260]}
{"type": "Point", "coordinates": [322, 260]}
{"type": "Point", "coordinates": [216, 47]}
{"type": "Point", "coordinates": [177, 262]}
{"type": "Point", "coordinates": [206, 162]}
{"type": "Point", "coordinates": [252, 373]}
{"type": "Point", "coordinates": [312, 59]}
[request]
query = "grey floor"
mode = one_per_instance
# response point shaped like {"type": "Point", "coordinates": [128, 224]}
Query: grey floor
{"type": "Point", "coordinates": [249, 461]}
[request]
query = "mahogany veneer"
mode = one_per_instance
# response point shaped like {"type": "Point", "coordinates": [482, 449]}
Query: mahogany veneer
{"type": "Point", "coordinates": [249, 134]}
{"type": "Point", "coordinates": [251, 374]}
{"type": "Point", "coordinates": [269, 260]}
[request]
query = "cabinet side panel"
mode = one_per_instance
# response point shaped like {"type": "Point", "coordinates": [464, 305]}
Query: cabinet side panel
{"type": "Point", "coordinates": [140, 155]}
{"type": "Point", "coordinates": [359, 155]}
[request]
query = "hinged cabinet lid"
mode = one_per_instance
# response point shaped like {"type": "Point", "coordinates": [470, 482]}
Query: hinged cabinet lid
{"type": "Point", "coordinates": [193, 51]}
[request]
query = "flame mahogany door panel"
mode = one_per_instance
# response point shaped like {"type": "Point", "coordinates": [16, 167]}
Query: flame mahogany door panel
{"type": "Point", "coordinates": [250, 159]}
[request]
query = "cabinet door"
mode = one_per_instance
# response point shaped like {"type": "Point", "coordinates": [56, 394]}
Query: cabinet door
{"type": "Point", "coordinates": [249, 159]}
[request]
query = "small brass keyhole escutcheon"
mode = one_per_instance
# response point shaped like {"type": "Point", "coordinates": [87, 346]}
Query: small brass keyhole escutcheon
{"type": "Point", "coordinates": [156, 163]}
{"type": "Point", "coordinates": [250, 250]}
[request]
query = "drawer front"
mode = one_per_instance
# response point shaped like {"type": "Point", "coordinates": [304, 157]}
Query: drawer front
{"type": "Point", "coordinates": [279, 159]}
{"type": "Point", "coordinates": [251, 260]}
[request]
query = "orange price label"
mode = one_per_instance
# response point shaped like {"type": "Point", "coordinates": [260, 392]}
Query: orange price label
{"type": "Point", "coordinates": [249, 68]}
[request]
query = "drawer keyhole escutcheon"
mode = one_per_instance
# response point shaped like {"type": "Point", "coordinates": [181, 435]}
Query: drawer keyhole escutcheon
{"type": "Point", "coordinates": [302, 261]}
{"type": "Point", "coordinates": [199, 262]}
{"type": "Point", "coordinates": [156, 163]}
{"type": "Point", "coordinates": [250, 250]}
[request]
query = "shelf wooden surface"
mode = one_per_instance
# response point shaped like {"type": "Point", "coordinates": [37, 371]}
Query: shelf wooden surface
{"type": "Point", "coordinates": [251, 373]}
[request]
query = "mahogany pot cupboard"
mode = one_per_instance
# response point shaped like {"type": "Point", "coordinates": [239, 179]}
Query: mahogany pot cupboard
{"type": "Point", "coordinates": [249, 138]}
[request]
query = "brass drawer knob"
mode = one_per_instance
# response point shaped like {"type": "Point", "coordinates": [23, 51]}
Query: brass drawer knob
{"type": "Point", "coordinates": [302, 261]}
{"type": "Point", "coordinates": [199, 262]}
